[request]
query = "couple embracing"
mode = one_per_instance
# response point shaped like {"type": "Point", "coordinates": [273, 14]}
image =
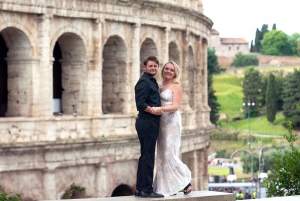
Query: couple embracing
{"type": "Point", "coordinates": [159, 120]}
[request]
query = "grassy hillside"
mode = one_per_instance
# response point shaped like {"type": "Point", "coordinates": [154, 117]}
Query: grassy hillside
{"type": "Point", "coordinates": [229, 93]}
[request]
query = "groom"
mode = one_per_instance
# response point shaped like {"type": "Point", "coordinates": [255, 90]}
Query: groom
{"type": "Point", "coordinates": [147, 127]}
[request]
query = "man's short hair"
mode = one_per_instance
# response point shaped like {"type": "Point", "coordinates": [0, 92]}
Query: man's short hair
{"type": "Point", "coordinates": [151, 58]}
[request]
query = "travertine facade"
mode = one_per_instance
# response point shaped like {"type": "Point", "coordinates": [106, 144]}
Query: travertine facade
{"type": "Point", "coordinates": [87, 54]}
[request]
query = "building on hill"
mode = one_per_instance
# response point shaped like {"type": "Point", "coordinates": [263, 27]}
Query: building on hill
{"type": "Point", "coordinates": [227, 47]}
{"type": "Point", "coordinates": [67, 74]}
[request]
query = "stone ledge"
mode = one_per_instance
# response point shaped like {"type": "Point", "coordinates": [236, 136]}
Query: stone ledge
{"type": "Point", "coordinates": [288, 198]}
{"type": "Point", "coordinates": [193, 196]}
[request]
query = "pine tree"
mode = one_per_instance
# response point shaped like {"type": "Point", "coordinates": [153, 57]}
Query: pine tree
{"type": "Point", "coordinates": [291, 98]}
{"type": "Point", "coordinates": [212, 64]}
{"type": "Point", "coordinates": [252, 89]}
{"type": "Point", "coordinates": [271, 99]}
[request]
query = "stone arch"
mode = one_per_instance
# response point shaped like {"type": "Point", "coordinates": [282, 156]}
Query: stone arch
{"type": "Point", "coordinates": [69, 74]}
{"type": "Point", "coordinates": [191, 77]}
{"type": "Point", "coordinates": [148, 48]}
{"type": "Point", "coordinates": [122, 190]}
{"type": "Point", "coordinates": [17, 63]}
{"type": "Point", "coordinates": [174, 53]}
{"type": "Point", "coordinates": [67, 29]}
{"type": "Point", "coordinates": [114, 75]}
{"type": "Point", "coordinates": [26, 33]}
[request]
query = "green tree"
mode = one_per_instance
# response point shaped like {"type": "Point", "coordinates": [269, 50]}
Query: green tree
{"type": "Point", "coordinates": [246, 159]}
{"type": "Point", "coordinates": [298, 48]}
{"type": "Point", "coordinates": [252, 47]}
{"type": "Point", "coordinates": [279, 91]}
{"type": "Point", "coordinates": [212, 64]}
{"type": "Point", "coordinates": [274, 27]}
{"type": "Point", "coordinates": [257, 41]}
{"type": "Point", "coordinates": [252, 89]}
{"type": "Point", "coordinates": [291, 98]}
{"type": "Point", "coordinates": [294, 39]}
{"type": "Point", "coordinates": [241, 60]}
{"type": "Point", "coordinates": [271, 99]}
{"type": "Point", "coordinates": [275, 43]}
{"type": "Point", "coordinates": [222, 153]}
{"type": "Point", "coordinates": [286, 181]}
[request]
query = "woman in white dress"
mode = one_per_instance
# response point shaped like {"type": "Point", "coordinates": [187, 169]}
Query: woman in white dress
{"type": "Point", "coordinates": [172, 175]}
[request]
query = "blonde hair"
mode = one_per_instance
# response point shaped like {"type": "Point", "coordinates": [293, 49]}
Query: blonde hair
{"type": "Point", "coordinates": [175, 80]}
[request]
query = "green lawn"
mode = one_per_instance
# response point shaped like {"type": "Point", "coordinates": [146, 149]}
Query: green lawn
{"type": "Point", "coordinates": [229, 93]}
{"type": "Point", "coordinates": [225, 171]}
{"type": "Point", "coordinates": [259, 125]}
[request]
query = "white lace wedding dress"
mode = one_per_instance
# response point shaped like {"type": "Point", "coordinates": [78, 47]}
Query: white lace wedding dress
{"type": "Point", "coordinates": [172, 175]}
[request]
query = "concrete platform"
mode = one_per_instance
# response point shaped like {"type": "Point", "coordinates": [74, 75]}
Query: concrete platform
{"type": "Point", "coordinates": [193, 196]}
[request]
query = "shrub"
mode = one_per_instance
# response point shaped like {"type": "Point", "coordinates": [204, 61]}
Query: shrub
{"type": "Point", "coordinates": [242, 60]}
{"type": "Point", "coordinates": [4, 196]}
{"type": "Point", "coordinates": [286, 170]}
{"type": "Point", "coordinates": [74, 192]}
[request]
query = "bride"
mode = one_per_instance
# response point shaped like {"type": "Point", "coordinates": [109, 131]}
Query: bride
{"type": "Point", "coordinates": [172, 175]}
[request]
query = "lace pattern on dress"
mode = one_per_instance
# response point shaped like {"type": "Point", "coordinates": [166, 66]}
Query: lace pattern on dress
{"type": "Point", "coordinates": [172, 175]}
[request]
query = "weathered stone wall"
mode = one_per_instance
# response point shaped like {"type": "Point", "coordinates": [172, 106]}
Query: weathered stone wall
{"type": "Point", "coordinates": [99, 47]}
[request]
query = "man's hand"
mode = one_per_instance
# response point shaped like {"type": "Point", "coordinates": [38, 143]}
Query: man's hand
{"type": "Point", "coordinates": [156, 110]}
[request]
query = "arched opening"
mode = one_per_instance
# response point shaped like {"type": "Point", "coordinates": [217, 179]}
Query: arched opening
{"type": "Point", "coordinates": [174, 53]}
{"type": "Point", "coordinates": [122, 190]}
{"type": "Point", "coordinates": [148, 49]}
{"type": "Point", "coordinates": [191, 79]}
{"type": "Point", "coordinates": [16, 73]}
{"type": "Point", "coordinates": [3, 77]}
{"type": "Point", "coordinates": [114, 75]}
{"type": "Point", "coordinates": [57, 85]}
{"type": "Point", "coordinates": [69, 74]}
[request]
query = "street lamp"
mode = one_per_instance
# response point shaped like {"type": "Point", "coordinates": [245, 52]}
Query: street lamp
{"type": "Point", "coordinates": [262, 174]}
{"type": "Point", "coordinates": [251, 158]}
{"type": "Point", "coordinates": [249, 103]}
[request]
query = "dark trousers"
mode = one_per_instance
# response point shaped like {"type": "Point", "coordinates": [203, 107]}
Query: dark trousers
{"type": "Point", "coordinates": [147, 129]}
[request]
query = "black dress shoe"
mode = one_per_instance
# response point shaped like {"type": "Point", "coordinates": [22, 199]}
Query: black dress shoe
{"type": "Point", "coordinates": [137, 193]}
{"type": "Point", "coordinates": [151, 195]}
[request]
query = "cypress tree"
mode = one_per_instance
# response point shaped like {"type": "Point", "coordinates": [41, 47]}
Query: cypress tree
{"type": "Point", "coordinates": [252, 89]}
{"type": "Point", "coordinates": [291, 98]}
{"type": "Point", "coordinates": [212, 63]}
{"type": "Point", "coordinates": [271, 98]}
{"type": "Point", "coordinates": [251, 47]}
{"type": "Point", "coordinates": [257, 41]}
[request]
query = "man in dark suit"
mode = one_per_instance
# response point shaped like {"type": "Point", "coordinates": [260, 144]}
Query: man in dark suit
{"type": "Point", "coordinates": [147, 126]}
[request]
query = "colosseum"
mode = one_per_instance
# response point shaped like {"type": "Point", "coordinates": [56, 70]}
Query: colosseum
{"type": "Point", "coordinates": [67, 74]}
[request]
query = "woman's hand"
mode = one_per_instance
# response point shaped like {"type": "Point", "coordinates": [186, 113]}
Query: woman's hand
{"type": "Point", "coordinates": [157, 110]}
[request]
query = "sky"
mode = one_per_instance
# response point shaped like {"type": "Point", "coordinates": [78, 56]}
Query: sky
{"type": "Point", "coordinates": [240, 18]}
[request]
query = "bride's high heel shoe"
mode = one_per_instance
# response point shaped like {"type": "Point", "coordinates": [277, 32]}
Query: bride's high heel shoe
{"type": "Point", "coordinates": [187, 189]}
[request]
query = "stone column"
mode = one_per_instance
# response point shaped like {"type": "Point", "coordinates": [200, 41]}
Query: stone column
{"type": "Point", "coordinates": [198, 85]}
{"type": "Point", "coordinates": [45, 78]}
{"type": "Point", "coordinates": [200, 168]}
{"type": "Point", "coordinates": [165, 46]}
{"type": "Point", "coordinates": [101, 180]}
{"type": "Point", "coordinates": [94, 73]}
{"type": "Point", "coordinates": [135, 66]}
{"type": "Point", "coordinates": [23, 86]}
{"type": "Point", "coordinates": [205, 170]}
{"type": "Point", "coordinates": [206, 108]}
{"type": "Point", "coordinates": [196, 171]}
{"type": "Point", "coordinates": [49, 185]}
{"type": "Point", "coordinates": [73, 84]}
{"type": "Point", "coordinates": [184, 73]}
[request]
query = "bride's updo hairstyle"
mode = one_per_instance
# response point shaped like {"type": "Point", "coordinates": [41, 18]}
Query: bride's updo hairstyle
{"type": "Point", "coordinates": [176, 68]}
